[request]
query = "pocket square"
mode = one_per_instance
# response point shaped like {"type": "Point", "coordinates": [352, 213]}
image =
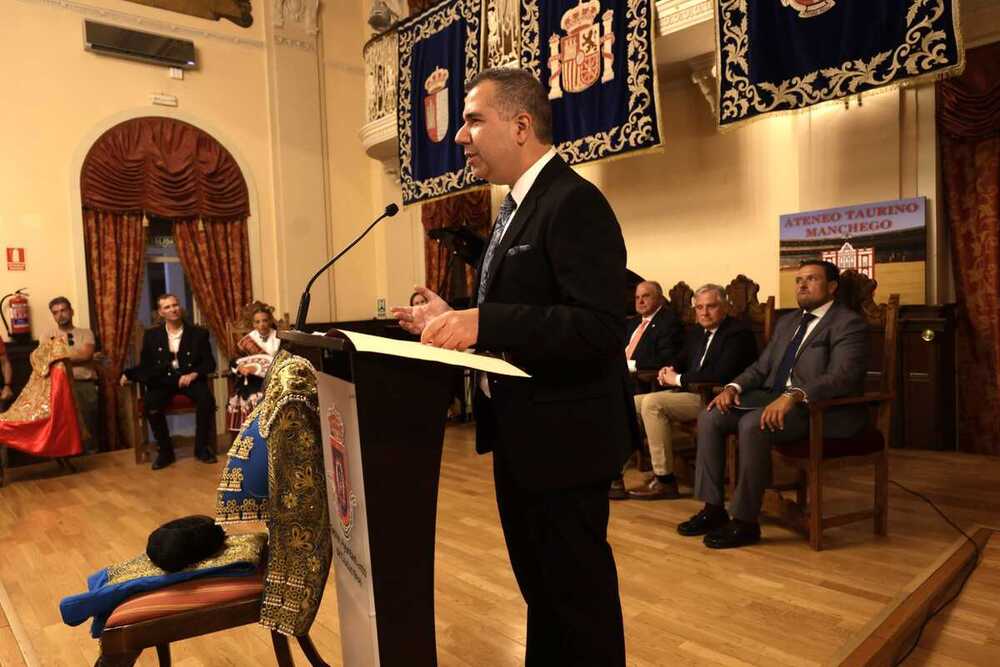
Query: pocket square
{"type": "Point", "coordinates": [519, 249]}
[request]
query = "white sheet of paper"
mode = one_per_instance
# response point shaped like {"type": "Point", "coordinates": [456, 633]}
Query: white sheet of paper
{"type": "Point", "coordinates": [404, 348]}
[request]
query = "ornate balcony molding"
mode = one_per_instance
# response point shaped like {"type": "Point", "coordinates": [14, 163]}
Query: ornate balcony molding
{"type": "Point", "coordinates": [675, 15]}
{"type": "Point", "coordinates": [379, 137]}
{"type": "Point", "coordinates": [381, 62]}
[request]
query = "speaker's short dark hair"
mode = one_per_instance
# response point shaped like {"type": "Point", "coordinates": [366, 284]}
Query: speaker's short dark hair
{"type": "Point", "coordinates": [517, 91]}
{"type": "Point", "coordinates": [832, 272]}
{"type": "Point", "coordinates": [58, 300]}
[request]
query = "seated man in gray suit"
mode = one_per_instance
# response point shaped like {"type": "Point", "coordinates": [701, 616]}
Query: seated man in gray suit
{"type": "Point", "coordinates": [817, 353]}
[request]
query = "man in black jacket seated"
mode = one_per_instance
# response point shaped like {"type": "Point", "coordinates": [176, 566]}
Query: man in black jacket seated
{"type": "Point", "coordinates": [654, 338]}
{"type": "Point", "coordinates": [715, 351]}
{"type": "Point", "coordinates": [176, 358]}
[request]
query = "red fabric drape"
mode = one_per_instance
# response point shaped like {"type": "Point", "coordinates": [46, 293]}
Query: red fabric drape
{"type": "Point", "coordinates": [164, 167]}
{"type": "Point", "coordinates": [55, 435]}
{"type": "Point", "coordinates": [115, 244]}
{"type": "Point", "coordinates": [468, 209]}
{"type": "Point", "coordinates": [216, 260]}
{"type": "Point", "coordinates": [968, 115]}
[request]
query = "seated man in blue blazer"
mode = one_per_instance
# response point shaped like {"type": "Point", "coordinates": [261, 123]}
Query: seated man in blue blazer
{"type": "Point", "coordinates": [715, 351]}
{"type": "Point", "coordinates": [654, 338]}
{"type": "Point", "coordinates": [817, 353]}
{"type": "Point", "coordinates": [176, 358]}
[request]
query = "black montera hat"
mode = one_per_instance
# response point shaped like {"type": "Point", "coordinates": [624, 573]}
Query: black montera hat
{"type": "Point", "coordinates": [182, 542]}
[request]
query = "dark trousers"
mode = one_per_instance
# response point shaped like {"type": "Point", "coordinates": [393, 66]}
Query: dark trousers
{"type": "Point", "coordinates": [557, 541]}
{"type": "Point", "coordinates": [156, 399]}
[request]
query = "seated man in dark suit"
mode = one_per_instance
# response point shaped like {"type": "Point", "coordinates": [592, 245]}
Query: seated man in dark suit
{"type": "Point", "coordinates": [715, 351]}
{"type": "Point", "coordinates": [176, 358]}
{"type": "Point", "coordinates": [654, 338]}
{"type": "Point", "coordinates": [817, 353]}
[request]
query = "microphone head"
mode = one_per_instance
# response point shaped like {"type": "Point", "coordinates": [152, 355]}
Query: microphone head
{"type": "Point", "coordinates": [391, 210]}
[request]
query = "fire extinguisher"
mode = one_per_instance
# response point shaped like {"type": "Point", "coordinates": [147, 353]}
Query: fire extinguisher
{"type": "Point", "coordinates": [19, 328]}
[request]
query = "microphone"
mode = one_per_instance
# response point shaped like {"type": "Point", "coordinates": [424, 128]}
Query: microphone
{"type": "Point", "coordinates": [300, 319]}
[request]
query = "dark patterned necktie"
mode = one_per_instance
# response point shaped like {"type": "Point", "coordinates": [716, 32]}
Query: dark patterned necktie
{"type": "Point", "coordinates": [788, 361]}
{"type": "Point", "coordinates": [703, 348]}
{"type": "Point", "coordinates": [503, 217]}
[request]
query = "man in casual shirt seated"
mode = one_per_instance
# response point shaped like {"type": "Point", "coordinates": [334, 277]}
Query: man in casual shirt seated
{"type": "Point", "coordinates": [714, 352]}
{"type": "Point", "coordinates": [81, 350]}
{"type": "Point", "coordinates": [176, 358]}
{"type": "Point", "coordinates": [817, 353]}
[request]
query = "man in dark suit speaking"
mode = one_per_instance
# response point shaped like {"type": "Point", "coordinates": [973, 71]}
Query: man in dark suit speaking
{"type": "Point", "coordinates": [817, 353]}
{"type": "Point", "coordinates": [176, 358]}
{"type": "Point", "coordinates": [549, 300]}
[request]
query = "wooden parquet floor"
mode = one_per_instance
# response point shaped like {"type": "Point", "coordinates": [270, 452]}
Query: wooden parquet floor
{"type": "Point", "coordinates": [777, 603]}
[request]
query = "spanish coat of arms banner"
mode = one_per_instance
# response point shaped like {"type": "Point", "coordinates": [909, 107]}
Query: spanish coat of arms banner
{"type": "Point", "coordinates": [595, 58]}
{"type": "Point", "coordinates": [785, 55]}
{"type": "Point", "coordinates": [439, 50]}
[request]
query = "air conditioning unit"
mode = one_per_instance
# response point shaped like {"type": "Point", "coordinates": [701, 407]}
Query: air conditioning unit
{"type": "Point", "coordinates": [111, 40]}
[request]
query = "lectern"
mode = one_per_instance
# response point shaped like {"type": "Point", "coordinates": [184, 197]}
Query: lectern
{"type": "Point", "coordinates": [383, 415]}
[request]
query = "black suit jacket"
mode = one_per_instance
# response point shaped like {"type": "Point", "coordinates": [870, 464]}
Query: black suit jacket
{"type": "Point", "coordinates": [553, 307]}
{"type": "Point", "coordinates": [661, 342]}
{"type": "Point", "coordinates": [155, 369]}
{"type": "Point", "coordinates": [733, 348]}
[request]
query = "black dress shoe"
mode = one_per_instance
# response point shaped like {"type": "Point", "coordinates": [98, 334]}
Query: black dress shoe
{"type": "Point", "coordinates": [163, 459]}
{"type": "Point", "coordinates": [733, 534]}
{"type": "Point", "coordinates": [617, 490]}
{"type": "Point", "coordinates": [703, 522]}
{"type": "Point", "coordinates": [206, 456]}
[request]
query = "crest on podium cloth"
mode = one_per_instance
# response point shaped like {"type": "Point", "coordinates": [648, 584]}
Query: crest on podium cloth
{"type": "Point", "coordinates": [345, 498]}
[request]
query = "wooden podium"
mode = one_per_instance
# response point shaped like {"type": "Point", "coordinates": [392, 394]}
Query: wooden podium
{"type": "Point", "coordinates": [383, 418]}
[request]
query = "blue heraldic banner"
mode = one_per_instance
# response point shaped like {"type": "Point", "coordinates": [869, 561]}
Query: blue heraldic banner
{"type": "Point", "coordinates": [595, 58]}
{"type": "Point", "coordinates": [439, 50]}
{"type": "Point", "coordinates": [785, 55]}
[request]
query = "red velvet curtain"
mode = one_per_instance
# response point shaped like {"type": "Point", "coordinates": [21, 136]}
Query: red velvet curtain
{"type": "Point", "coordinates": [115, 243]}
{"type": "Point", "coordinates": [467, 209]}
{"type": "Point", "coordinates": [166, 168]}
{"type": "Point", "coordinates": [216, 261]}
{"type": "Point", "coordinates": [968, 120]}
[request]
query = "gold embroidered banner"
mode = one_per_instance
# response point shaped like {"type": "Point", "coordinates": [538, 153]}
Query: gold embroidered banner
{"type": "Point", "coordinates": [595, 57]}
{"type": "Point", "coordinates": [786, 55]}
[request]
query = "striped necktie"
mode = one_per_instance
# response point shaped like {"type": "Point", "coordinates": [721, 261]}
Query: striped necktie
{"type": "Point", "coordinates": [504, 216]}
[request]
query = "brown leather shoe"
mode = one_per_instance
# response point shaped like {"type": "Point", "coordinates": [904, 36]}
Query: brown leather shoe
{"type": "Point", "coordinates": [617, 490]}
{"type": "Point", "coordinates": [655, 490]}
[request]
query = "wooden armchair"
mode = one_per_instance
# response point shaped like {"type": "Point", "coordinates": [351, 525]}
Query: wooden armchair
{"type": "Point", "coordinates": [190, 609]}
{"type": "Point", "coordinates": [680, 296]}
{"type": "Point", "coordinates": [742, 296]}
{"type": "Point", "coordinates": [814, 456]}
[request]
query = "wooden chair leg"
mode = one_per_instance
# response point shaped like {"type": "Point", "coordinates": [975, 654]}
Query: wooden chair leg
{"type": "Point", "coordinates": [282, 652]}
{"type": "Point", "coordinates": [800, 490]}
{"type": "Point", "coordinates": [163, 653]}
{"type": "Point", "coordinates": [312, 655]}
{"type": "Point", "coordinates": [881, 519]}
{"type": "Point", "coordinates": [815, 508]}
{"type": "Point", "coordinates": [3, 465]}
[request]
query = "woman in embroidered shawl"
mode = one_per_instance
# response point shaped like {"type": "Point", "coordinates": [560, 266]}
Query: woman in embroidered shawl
{"type": "Point", "coordinates": [258, 347]}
